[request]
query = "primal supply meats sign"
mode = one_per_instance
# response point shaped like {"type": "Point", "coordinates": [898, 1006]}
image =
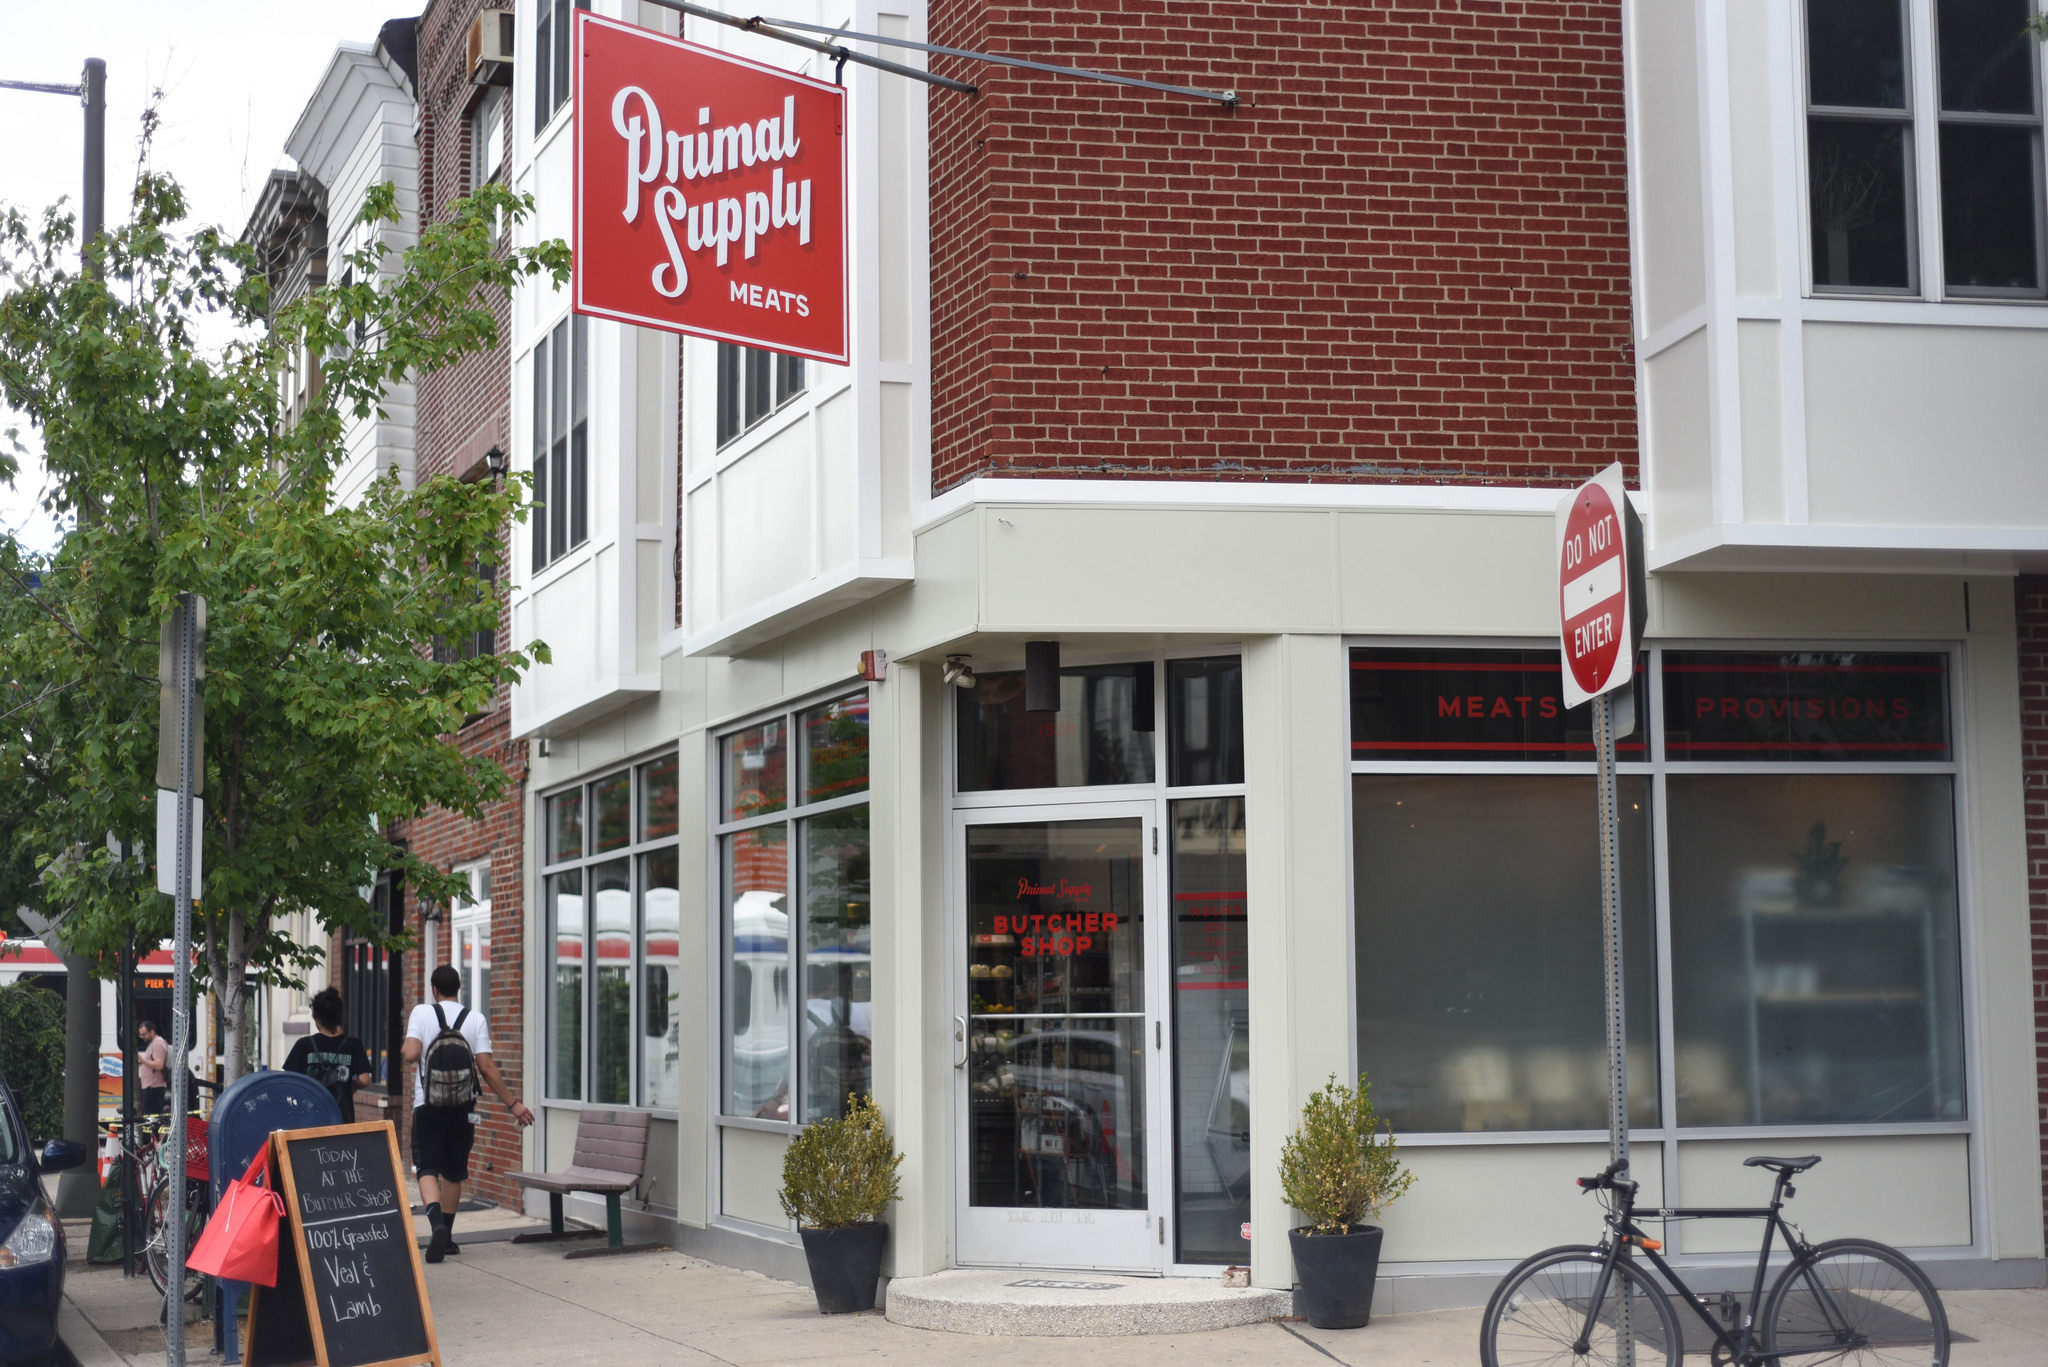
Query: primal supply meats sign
{"type": "Point", "coordinates": [710, 193]}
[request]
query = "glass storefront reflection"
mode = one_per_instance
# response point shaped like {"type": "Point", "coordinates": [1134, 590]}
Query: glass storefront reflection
{"type": "Point", "coordinates": [1056, 1028]}
{"type": "Point", "coordinates": [1211, 1031]}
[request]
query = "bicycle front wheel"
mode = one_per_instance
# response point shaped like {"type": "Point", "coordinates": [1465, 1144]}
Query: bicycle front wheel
{"type": "Point", "coordinates": [1856, 1302]}
{"type": "Point", "coordinates": [1543, 1312]}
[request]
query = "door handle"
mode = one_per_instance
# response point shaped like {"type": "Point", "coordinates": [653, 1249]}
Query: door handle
{"type": "Point", "coordinates": [960, 1039]}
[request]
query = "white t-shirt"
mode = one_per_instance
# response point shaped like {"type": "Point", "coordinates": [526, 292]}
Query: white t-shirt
{"type": "Point", "coordinates": [422, 1026]}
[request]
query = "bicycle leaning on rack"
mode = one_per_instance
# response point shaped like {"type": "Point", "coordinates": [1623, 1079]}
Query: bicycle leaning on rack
{"type": "Point", "coordinates": [1845, 1301]}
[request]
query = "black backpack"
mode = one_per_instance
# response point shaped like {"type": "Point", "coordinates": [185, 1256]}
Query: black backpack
{"type": "Point", "coordinates": [448, 1068]}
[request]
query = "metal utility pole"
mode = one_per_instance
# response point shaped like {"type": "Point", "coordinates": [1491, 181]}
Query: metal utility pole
{"type": "Point", "coordinates": [78, 1190]}
{"type": "Point", "coordinates": [93, 208]}
{"type": "Point", "coordinates": [188, 623]}
{"type": "Point", "coordinates": [90, 91]}
{"type": "Point", "coordinates": [1601, 605]}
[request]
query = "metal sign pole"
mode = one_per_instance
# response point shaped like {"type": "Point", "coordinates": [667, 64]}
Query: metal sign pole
{"type": "Point", "coordinates": [181, 988]}
{"type": "Point", "coordinates": [1617, 1033]}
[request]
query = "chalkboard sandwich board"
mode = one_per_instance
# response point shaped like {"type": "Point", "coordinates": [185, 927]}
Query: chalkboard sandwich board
{"type": "Point", "coordinates": [350, 1288]}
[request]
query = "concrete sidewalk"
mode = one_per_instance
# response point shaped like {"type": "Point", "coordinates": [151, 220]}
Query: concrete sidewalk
{"type": "Point", "coordinates": [505, 1305]}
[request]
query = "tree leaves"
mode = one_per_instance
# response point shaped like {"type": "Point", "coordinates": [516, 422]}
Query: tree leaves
{"type": "Point", "coordinates": [328, 713]}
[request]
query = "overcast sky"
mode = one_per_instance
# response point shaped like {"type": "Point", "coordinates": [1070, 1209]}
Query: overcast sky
{"type": "Point", "coordinates": [235, 76]}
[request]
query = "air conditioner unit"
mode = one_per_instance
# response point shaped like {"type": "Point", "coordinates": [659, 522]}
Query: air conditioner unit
{"type": "Point", "coordinates": [490, 48]}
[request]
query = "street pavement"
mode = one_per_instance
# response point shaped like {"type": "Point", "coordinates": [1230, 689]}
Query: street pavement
{"type": "Point", "coordinates": [502, 1305]}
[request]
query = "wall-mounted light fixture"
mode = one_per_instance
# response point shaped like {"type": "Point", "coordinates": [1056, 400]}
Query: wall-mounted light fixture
{"type": "Point", "coordinates": [1041, 676]}
{"type": "Point", "coordinates": [958, 672]}
{"type": "Point", "coordinates": [498, 461]}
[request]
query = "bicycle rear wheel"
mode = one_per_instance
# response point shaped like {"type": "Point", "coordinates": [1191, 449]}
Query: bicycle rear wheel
{"type": "Point", "coordinates": [1856, 1302]}
{"type": "Point", "coordinates": [1538, 1314]}
{"type": "Point", "coordinates": [156, 1248]}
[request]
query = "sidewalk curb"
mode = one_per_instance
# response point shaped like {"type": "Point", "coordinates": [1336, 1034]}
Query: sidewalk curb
{"type": "Point", "coordinates": [79, 1344]}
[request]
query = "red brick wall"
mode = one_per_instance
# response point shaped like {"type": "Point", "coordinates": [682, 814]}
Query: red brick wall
{"type": "Point", "coordinates": [466, 408]}
{"type": "Point", "coordinates": [2033, 631]}
{"type": "Point", "coordinates": [1402, 259]}
{"type": "Point", "coordinates": [463, 410]}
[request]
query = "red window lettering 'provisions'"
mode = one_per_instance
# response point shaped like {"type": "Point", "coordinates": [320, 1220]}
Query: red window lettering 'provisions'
{"type": "Point", "coordinates": [710, 193]}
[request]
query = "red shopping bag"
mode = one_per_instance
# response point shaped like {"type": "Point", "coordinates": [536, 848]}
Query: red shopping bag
{"type": "Point", "coordinates": [240, 1242]}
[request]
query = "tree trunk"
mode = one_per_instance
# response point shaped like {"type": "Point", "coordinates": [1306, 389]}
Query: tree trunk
{"type": "Point", "coordinates": [234, 1003]}
{"type": "Point", "coordinates": [79, 1189]}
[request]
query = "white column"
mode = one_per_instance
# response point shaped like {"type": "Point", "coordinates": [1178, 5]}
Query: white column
{"type": "Point", "coordinates": [912, 1048]}
{"type": "Point", "coordinates": [1299, 913]}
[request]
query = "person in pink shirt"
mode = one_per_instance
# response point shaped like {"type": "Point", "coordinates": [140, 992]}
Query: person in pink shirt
{"type": "Point", "coordinates": [150, 1065]}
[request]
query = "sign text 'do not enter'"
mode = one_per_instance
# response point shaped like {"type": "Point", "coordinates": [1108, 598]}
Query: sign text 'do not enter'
{"type": "Point", "coordinates": [710, 193]}
{"type": "Point", "coordinates": [1594, 611]}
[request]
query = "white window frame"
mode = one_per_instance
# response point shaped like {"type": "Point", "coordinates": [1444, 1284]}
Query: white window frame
{"type": "Point", "coordinates": [1922, 118]}
{"type": "Point", "coordinates": [792, 812]}
{"type": "Point", "coordinates": [1658, 769]}
{"type": "Point", "coordinates": [631, 852]}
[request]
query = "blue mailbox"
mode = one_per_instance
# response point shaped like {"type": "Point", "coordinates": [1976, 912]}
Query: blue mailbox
{"type": "Point", "coordinates": [253, 1106]}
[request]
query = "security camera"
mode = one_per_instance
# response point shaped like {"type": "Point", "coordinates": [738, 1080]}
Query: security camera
{"type": "Point", "coordinates": [958, 672]}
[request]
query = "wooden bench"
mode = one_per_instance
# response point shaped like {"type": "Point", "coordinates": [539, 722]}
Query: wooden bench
{"type": "Point", "coordinates": [609, 1161]}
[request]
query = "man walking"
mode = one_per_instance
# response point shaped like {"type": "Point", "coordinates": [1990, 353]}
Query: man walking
{"type": "Point", "coordinates": [452, 1047]}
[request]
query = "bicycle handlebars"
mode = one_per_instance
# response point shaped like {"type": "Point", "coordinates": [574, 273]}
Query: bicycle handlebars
{"type": "Point", "coordinates": [1607, 1179]}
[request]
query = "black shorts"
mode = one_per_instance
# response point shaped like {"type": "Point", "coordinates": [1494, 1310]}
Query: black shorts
{"type": "Point", "coordinates": [155, 1100]}
{"type": "Point", "coordinates": [441, 1140]}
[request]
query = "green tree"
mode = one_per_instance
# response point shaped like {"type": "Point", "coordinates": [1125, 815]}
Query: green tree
{"type": "Point", "coordinates": [328, 714]}
{"type": "Point", "coordinates": [32, 1055]}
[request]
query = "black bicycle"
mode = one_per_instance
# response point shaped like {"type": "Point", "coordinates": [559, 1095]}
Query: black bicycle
{"type": "Point", "coordinates": [1845, 1301]}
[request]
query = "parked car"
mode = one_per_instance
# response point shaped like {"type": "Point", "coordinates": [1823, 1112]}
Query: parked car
{"type": "Point", "coordinates": [31, 1238]}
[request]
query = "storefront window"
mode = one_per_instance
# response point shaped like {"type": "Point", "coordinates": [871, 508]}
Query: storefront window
{"type": "Point", "coordinates": [1211, 1029]}
{"type": "Point", "coordinates": [612, 938]}
{"type": "Point", "coordinates": [838, 1030]}
{"type": "Point", "coordinates": [660, 1020]}
{"type": "Point", "coordinates": [565, 1007]}
{"type": "Point", "coordinates": [1206, 702]}
{"type": "Point", "coordinates": [1816, 978]}
{"type": "Point", "coordinates": [1804, 804]}
{"type": "Point", "coordinates": [828, 955]}
{"type": "Point", "coordinates": [1803, 707]}
{"type": "Point", "coordinates": [1481, 705]}
{"type": "Point", "coordinates": [1481, 998]}
{"type": "Point", "coordinates": [1092, 740]}
{"type": "Point", "coordinates": [611, 903]}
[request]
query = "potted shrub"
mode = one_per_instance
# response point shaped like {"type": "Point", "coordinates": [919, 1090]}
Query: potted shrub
{"type": "Point", "coordinates": [1339, 1170]}
{"type": "Point", "coordinates": [837, 1178]}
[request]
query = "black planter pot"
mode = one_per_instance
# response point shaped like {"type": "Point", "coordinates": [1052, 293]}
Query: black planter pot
{"type": "Point", "coordinates": [846, 1266]}
{"type": "Point", "coordinates": [1334, 1275]}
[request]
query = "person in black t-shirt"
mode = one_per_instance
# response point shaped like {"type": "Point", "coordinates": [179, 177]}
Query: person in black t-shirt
{"type": "Point", "coordinates": [335, 1060]}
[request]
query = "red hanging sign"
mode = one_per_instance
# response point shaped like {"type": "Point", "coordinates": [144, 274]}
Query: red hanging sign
{"type": "Point", "coordinates": [710, 193]}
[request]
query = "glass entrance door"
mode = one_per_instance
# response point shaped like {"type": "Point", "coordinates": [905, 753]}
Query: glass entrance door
{"type": "Point", "coordinates": [1058, 1043]}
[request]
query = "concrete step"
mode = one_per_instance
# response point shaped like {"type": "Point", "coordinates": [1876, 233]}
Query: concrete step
{"type": "Point", "coordinates": [1076, 1304]}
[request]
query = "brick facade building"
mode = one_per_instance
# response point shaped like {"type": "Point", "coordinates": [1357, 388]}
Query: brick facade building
{"type": "Point", "coordinates": [2033, 638]}
{"type": "Point", "coordinates": [1402, 257]}
{"type": "Point", "coordinates": [1260, 415]}
{"type": "Point", "coordinates": [463, 412]}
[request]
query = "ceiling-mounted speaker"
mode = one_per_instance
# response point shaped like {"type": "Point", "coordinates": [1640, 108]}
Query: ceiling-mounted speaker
{"type": "Point", "coordinates": [1041, 676]}
{"type": "Point", "coordinates": [1144, 696]}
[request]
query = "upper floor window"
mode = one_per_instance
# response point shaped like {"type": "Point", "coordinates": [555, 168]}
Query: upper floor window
{"type": "Point", "coordinates": [1873, 114]}
{"type": "Point", "coordinates": [751, 385]}
{"type": "Point", "coordinates": [487, 139]}
{"type": "Point", "coordinates": [561, 442]}
{"type": "Point", "coordinates": [468, 645]}
{"type": "Point", "coordinates": [551, 43]}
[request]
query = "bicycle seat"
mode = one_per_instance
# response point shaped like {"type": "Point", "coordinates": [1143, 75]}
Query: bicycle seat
{"type": "Point", "coordinates": [1787, 1166]}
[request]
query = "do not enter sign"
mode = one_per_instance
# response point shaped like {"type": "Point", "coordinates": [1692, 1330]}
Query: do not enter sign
{"type": "Point", "coordinates": [1599, 587]}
